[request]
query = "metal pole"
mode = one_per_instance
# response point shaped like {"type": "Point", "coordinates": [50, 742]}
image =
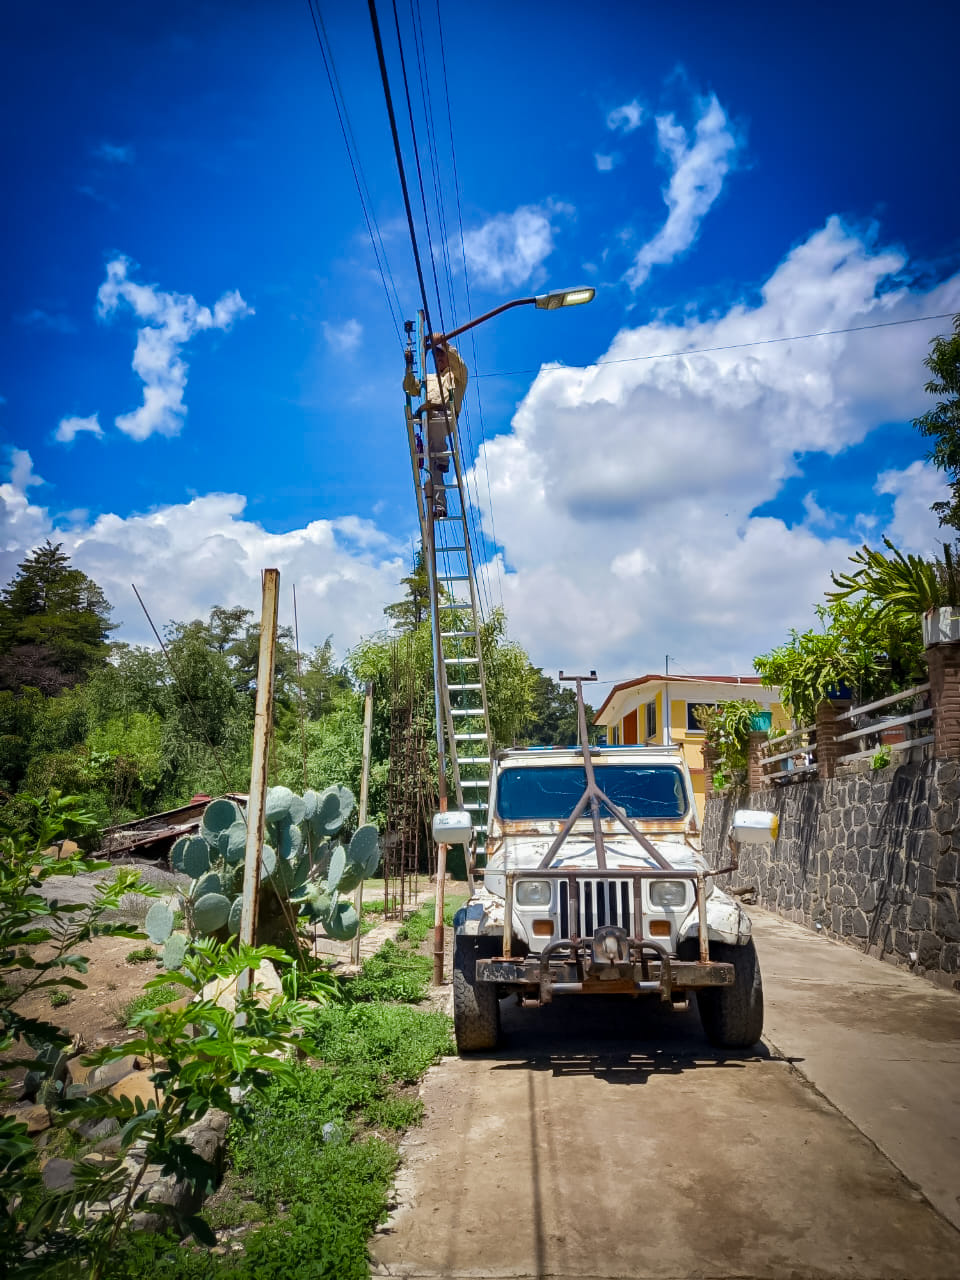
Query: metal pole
{"type": "Point", "coordinates": [364, 789]}
{"type": "Point", "coordinates": [256, 802]}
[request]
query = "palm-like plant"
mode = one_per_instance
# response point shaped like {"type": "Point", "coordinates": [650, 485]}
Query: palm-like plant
{"type": "Point", "coordinates": [897, 584]}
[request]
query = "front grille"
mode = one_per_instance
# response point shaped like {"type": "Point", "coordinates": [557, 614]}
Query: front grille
{"type": "Point", "coordinates": [601, 902]}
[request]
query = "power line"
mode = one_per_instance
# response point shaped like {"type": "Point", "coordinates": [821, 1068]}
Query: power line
{"type": "Point", "coordinates": [359, 178]}
{"type": "Point", "coordinates": [731, 346]}
{"type": "Point", "coordinates": [473, 336]}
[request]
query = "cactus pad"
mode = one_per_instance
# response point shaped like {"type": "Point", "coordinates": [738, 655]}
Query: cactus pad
{"type": "Point", "coordinates": [209, 883]}
{"type": "Point", "coordinates": [217, 817]}
{"type": "Point", "coordinates": [175, 950]}
{"type": "Point", "coordinates": [233, 919]}
{"type": "Point", "coordinates": [236, 841]}
{"type": "Point", "coordinates": [338, 864]}
{"type": "Point", "coordinates": [278, 804]}
{"type": "Point", "coordinates": [195, 859]}
{"type": "Point", "coordinates": [159, 922]}
{"type": "Point", "coordinates": [210, 912]}
{"type": "Point", "coordinates": [342, 922]}
{"type": "Point", "coordinates": [364, 848]}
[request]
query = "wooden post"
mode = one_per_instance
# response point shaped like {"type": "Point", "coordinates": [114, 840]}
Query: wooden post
{"type": "Point", "coordinates": [258, 769]}
{"type": "Point", "coordinates": [364, 791]}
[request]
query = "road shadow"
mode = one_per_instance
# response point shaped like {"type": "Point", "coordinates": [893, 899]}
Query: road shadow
{"type": "Point", "coordinates": [615, 1039]}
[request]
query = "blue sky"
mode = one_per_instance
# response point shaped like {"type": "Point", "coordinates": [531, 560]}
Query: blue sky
{"type": "Point", "coordinates": [722, 174]}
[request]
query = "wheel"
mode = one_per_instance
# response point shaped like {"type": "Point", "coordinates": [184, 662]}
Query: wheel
{"type": "Point", "coordinates": [732, 1017]}
{"type": "Point", "coordinates": [476, 1008]}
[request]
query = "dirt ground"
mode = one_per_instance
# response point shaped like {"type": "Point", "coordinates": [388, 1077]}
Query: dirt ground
{"type": "Point", "coordinates": [610, 1140]}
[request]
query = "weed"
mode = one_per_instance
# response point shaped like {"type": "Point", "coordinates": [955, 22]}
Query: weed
{"type": "Point", "coordinates": [880, 758]}
{"type": "Point", "coordinates": [395, 1113]}
{"type": "Point", "coordinates": [394, 973]}
{"type": "Point", "coordinates": [59, 998]}
{"type": "Point", "coordinates": [150, 1000]}
{"type": "Point", "coordinates": [141, 955]}
{"type": "Point", "coordinates": [418, 926]}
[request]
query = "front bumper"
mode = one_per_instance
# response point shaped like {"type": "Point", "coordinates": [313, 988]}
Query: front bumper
{"type": "Point", "coordinates": [572, 967]}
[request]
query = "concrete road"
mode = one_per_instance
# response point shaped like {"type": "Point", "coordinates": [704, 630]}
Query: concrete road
{"type": "Point", "coordinates": [611, 1141]}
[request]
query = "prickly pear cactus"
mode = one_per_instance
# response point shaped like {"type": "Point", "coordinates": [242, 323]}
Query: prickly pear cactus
{"type": "Point", "coordinates": [302, 864]}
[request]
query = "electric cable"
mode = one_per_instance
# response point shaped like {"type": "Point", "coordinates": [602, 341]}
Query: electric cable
{"type": "Point", "coordinates": [731, 346]}
{"type": "Point", "coordinates": [346, 131]}
{"type": "Point", "coordinates": [473, 337]}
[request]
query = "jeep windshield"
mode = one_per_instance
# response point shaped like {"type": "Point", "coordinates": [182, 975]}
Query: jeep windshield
{"type": "Point", "coordinates": [552, 791]}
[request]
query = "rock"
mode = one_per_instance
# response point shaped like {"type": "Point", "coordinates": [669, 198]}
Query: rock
{"type": "Point", "coordinates": [94, 1129]}
{"type": "Point", "coordinates": [34, 1116]}
{"type": "Point", "coordinates": [137, 1084]}
{"type": "Point", "coordinates": [57, 1174]}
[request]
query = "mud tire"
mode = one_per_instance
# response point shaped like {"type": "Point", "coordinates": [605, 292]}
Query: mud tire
{"type": "Point", "coordinates": [732, 1017]}
{"type": "Point", "coordinates": [476, 1006]}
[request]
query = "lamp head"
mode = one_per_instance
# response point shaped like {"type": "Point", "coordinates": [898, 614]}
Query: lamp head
{"type": "Point", "coordinates": [564, 298]}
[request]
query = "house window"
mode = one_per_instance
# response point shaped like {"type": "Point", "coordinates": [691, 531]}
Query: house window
{"type": "Point", "coordinates": [693, 724]}
{"type": "Point", "coordinates": [650, 730]}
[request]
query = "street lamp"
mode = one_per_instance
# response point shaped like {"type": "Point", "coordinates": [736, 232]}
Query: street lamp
{"type": "Point", "coordinates": [552, 301]}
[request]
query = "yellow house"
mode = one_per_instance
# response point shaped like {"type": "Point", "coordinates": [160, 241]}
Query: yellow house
{"type": "Point", "coordinates": [662, 710]}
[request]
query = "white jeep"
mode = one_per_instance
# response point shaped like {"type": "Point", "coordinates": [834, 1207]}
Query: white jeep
{"type": "Point", "coordinates": [594, 860]}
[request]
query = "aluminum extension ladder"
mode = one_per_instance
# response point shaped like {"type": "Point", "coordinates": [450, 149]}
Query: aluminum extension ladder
{"type": "Point", "coordinates": [463, 715]}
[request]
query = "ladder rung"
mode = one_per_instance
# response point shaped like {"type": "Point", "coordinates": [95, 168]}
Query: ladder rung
{"type": "Point", "coordinates": [453, 577]}
{"type": "Point", "coordinates": [475, 808]}
{"type": "Point", "coordinates": [463, 688]}
{"type": "Point", "coordinates": [470, 737]}
{"type": "Point", "coordinates": [467, 711]}
{"type": "Point", "coordinates": [456, 604]}
{"type": "Point", "coordinates": [441, 548]}
{"type": "Point", "coordinates": [474, 661]}
{"type": "Point", "coordinates": [458, 635]}
{"type": "Point", "coordinates": [474, 782]}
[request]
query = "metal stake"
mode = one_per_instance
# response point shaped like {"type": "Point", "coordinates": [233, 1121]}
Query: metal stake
{"type": "Point", "coordinates": [362, 816]}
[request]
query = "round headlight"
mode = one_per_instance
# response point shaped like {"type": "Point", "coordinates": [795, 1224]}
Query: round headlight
{"type": "Point", "coordinates": [533, 893]}
{"type": "Point", "coordinates": [668, 893]}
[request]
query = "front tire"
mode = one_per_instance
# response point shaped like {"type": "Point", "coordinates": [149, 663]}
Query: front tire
{"type": "Point", "coordinates": [732, 1017]}
{"type": "Point", "coordinates": [476, 1007]}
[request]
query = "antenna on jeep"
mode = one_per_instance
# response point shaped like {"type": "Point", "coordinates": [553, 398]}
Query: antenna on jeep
{"type": "Point", "coordinates": [594, 797]}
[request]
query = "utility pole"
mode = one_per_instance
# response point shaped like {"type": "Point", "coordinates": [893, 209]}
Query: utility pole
{"type": "Point", "coordinates": [362, 815]}
{"type": "Point", "coordinates": [256, 802]}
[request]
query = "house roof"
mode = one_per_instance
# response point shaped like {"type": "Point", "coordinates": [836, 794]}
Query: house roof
{"type": "Point", "coordinates": [661, 679]}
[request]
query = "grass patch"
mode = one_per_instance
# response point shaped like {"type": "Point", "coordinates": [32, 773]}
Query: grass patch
{"type": "Point", "coordinates": [394, 973]}
{"type": "Point", "coordinates": [307, 1173]}
{"type": "Point", "coordinates": [141, 955]}
{"type": "Point", "coordinates": [150, 1000]}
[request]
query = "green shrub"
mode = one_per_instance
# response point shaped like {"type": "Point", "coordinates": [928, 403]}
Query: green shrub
{"type": "Point", "coordinates": [150, 1000]}
{"type": "Point", "coordinates": [141, 955]}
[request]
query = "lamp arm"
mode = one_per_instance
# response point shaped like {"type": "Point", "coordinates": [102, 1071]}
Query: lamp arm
{"type": "Point", "coordinates": [439, 339]}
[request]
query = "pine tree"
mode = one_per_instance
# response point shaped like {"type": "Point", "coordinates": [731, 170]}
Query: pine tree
{"type": "Point", "coordinates": [54, 623]}
{"type": "Point", "coordinates": [414, 608]}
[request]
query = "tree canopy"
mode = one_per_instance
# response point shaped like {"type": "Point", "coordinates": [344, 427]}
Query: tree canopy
{"type": "Point", "coordinates": [54, 623]}
{"type": "Point", "coordinates": [942, 423]}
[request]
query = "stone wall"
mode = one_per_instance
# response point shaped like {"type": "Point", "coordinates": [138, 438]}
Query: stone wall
{"type": "Point", "coordinates": [869, 856]}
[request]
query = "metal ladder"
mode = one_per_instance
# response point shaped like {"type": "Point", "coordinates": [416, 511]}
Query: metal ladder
{"type": "Point", "coordinates": [461, 684]}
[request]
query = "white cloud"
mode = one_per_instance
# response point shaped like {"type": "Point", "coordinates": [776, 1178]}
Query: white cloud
{"type": "Point", "coordinates": [343, 337]}
{"type": "Point", "coordinates": [22, 525]}
{"type": "Point", "coordinates": [697, 173]}
{"type": "Point", "coordinates": [624, 492]}
{"type": "Point", "coordinates": [626, 118]}
{"type": "Point", "coordinates": [914, 527]}
{"type": "Point", "coordinates": [69, 427]}
{"type": "Point", "coordinates": [604, 163]}
{"type": "Point", "coordinates": [510, 248]}
{"type": "Point", "coordinates": [815, 515]}
{"type": "Point", "coordinates": [186, 557]}
{"type": "Point", "coordinates": [172, 319]}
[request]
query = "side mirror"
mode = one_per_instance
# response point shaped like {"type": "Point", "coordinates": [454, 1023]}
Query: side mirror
{"type": "Point", "coordinates": [754, 826]}
{"type": "Point", "coordinates": [454, 826]}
